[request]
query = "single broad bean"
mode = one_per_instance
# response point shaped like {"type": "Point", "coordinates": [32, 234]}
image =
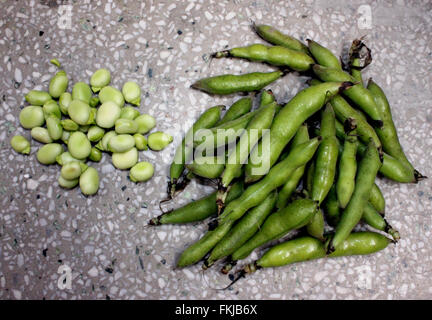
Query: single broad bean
{"type": "Point", "coordinates": [111, 94]}
{"type": "Point", "coordinates": [159, 140]}
{"type": "Point", "coordinates": [95, 133]}
{"type": "Point", "coordinates": [67, 184]}
{"type": "Point", "coordinates": [99, 79]}
{"type": "Point", "coordinates": [95, 155]}
{"type": "Point", "coordinates": [129, 112]}
{"type": "Point", "coordinates": [125, 160]}
{"type": "Point", "coordinates": [20, 144]}
{"type": "Point", "coordinates": [81, 91]}
{"type": "Point", "coordinates": [51, 108]}
{"type": "Point", "coordinates": [41, 134]}
{"type": "Point", "coordinates": [72, 170]}
{"type": "Point", "coordinates": [69, 125]}
{"type": "Point", "coordinates": [79, 146]}
{"type": "Point", "coordinates": [31, 116]}
{"type": "Point", "coordinates": [54, 127]}
{"type": "Point", "coordinates": [274, 36]}
{"type": "Point", "coordinates": [141, 172]}
{"type": "Point", "coordinates": [123, 126]}
{"type": "Point", "coordinates": [121, 143]}
{"type": "Point", "coordinates": [107, 114]}
{"type": "Point", "coordinates": [79, 111]}
{"type": "Point", "coordinates": [89, 181]}
{"type": "Point", "coordinates": [37, 97]}
{"type": "Point", "coordinates": [145, 123]}
{"type": "Point", "coordinates": [229, 83]}
{"type": "Point", "coordinates": [64, 102]}
{"type": "Point", "coordinates": [140, 142]}
{"type": "Point", "coordinates": [58, 84]}
{"type": "Point", "coordinates": [47, 154]}
{"type": "Point", "coordinates": [132, 93]}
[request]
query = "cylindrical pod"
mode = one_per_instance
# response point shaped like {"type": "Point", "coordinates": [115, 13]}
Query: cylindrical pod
{"type": "Point", "coordinates": [323, 55]}
{"type": "Point", "coordinates": [237, 109]}
{"type": "Point", "coordinates": [209, 167]}
{"type": "Point", "coordinates": [270, 34]}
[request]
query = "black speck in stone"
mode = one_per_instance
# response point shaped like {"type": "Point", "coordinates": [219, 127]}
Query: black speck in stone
{"type": "Point", "coordinates": [163, 261]}
{"type": "Point", "coordinates": [304, 16]}
{"type": "Point", "coordinates": [4, 97]}
{"type": "Point", "coordinates": [127, 199]}
{"type": "Point", "coordinates": [41, 33]}
{"type": "Point", "coordinates": [150, 73]}
{"type": "Point", "coordinates": [44, 252]}
{"type": "Point", "coordinates": [136, 68]}
{"type": "Point", "coordinates": [430, 198]}
{"type": "Point", "coordinates": [141, 263]}
{"type": "Point", "coordinates": [109, 269]}
{"type": "Point", "coordinates": [107, 297]}
{"type": "Point", "coordinates": [179, 32]}
{"type": "Point", "coordinates": [120, 19]}
{"type": "Point", "coordinates": [66, 203]}
{"type": "Point", "coordinates": [60, 261]}
{"type": "Point", "coordinates": [170, 48]}
{"type": "Point", "coordinates": [47, 46]}
{"type": "Point", "coordinates": [94, 27]}
{"type": "Point", "coordinates": [123, 188]}
{"type": "Point", "coordinates": [17, 84]}
{"type": "Point", "coordinates": [420, 193]}
{"type": "Point", "coordinates": [231, 277]}
{"type": "Point", "coordinates": [137, 250]}
{"type": "Point", "coordinates": [38, 196]}
{"type": "Point", "coordinates": [193, 22]}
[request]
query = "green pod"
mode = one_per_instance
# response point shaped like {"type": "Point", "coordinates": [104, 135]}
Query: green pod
{"type": "Point", "coordinates": [274, 36]}
{"type": "Point", "coordinates": [356, 71]}
{"type": "Point", "coordinates": [315, 227]}
{"type": "Point", "coordinates": [47, 154]}
{"type": "Point", "coordinates": [199, 249]}
{"type": "Point", "coordinates": [377, 199]}
{"type": "Point", "coordinates": [237, 109]}
{"type": "Point", "coordinates": [309, 176]}
{"type": "Point", "coordinates": [275, 178]}
{"type": "Point", "coordinates": [375, 220]}
{"type": "Point", "coordinates": [331, 207]}
{"type": "Point", "coordinates": [65, 158]}
{"type": "Point", "coordinates": [94, 102]}
{"type": "Point", "coordinates": [105, 140]}
{"type": "Point", "coordinates": [288, 121]}
{"type": "Point", "coordinates": [37, 97]}
{"type": "Point", "coordinates": [262, 120]}
{"type": "Point", "coordinates": [78, 145]}
{"type": "Point", "coordinates": [184, 151]}
{"type": "Point", "coordinates": [67, 184]}
{"type": "Point", "coordinates": [64, 102]}
{"type": "Point", "coordinates": [31, 116]}
{"type": "Point", "coordinates": [141, 172]}
{"type": "Point", "coordinates": [79, 111]}
{"type": "Point", "coordinates": [323, 56]}
{"type": "Point", "coordinates": [290, 186]}
{"type": "Point", "coordinates": [95, 154]}
{"type": "Point", "coordinates": [132, 93]}
{"type": "Point", "coordinates": [20, 144]}
{"type": "Point", "coordinates": [387, 133]}
{"type": "Point", "coordinates": [357, 93]}
{"type": "Point", "coordinates": [267, 97]}
{"type": "Point", "coordinates": [99, 79]}
{"type": "Point", "coordinates": [89, 181]}
{"type": "Point", "coordinates": [347, 169]}
{"type": "Point", "coordinates": [159, 140]}
{"type": "Point", "coordinates": [296, 215]}
{"type": "Point", "coordinates": [69, 125]}
{"type": "Point", "coordinates": [58, 84]}
{"type": "Point", "coordinates": [72, 170]}
{"type": "Point", "coordinates": [54, 127]}
{"type": "Point", "coordinates": [121, 143]}
{"type": "Point", "coordinates": [107, 114]}
{"type": "Point", "coordinates": [41, 134]}
{"type": "Point", "coordinates": [326, 158]}
{"type": "Point", "coordinates": [81, 91]}
{"type": "Point", "coordinates": [111, 94]}
{"type": "Point", "coordinates": [95, 133]}
{"type": "Point", "coordinates": [243, 230]}
{"type": "Point", "coordinates": [140, 142]}
{"type": "Point", "coordinates": [129, 113]}
{"type": "Point", "coordinates": [125, 126]}
{"type": "Point", "coordinates": [197, 210]}
{"type": "Point", "coordinates": [145, 123]}
{"type": "Point", "coordinates": [51, 108]}
{"type": "Point", "coordinates": [275, 55]}
{"type": "Point", "coordinates": [367, 171]}
{"type": "Point", "coordinates": [207, 167]}
{"type": "Point", "coordinates": [125, 160]}
{"type": "Point", "coordinates": [361, 243]}
{"type": "Point", "coordinates": [229, 83]}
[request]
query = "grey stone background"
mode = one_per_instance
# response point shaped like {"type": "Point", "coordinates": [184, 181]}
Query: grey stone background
{"type": "Point", "coordinates": [164, 46]}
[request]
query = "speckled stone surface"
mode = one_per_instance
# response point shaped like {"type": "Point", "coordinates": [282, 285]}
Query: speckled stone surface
{"type": "Point", "coordinates": [165, 46]}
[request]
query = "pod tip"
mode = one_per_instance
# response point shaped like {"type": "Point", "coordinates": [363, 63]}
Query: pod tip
{"type": "Point", "coordinates": [418, 176]}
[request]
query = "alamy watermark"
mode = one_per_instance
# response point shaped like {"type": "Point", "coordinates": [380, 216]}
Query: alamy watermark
{"type": "Point", "coordinates": [65, 279]}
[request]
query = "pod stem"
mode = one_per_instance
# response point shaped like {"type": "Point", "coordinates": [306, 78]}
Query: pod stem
{"type": "Point", "coordinates": [221, 196]}
{"type": "Point", "coordinates": [221, 54]}
{"type": "Point", "coordinates": [418, 176]}
{"type": "Point", "coordinates": [228, 267]}
{"type": "Point", "coordinates": [392, 232]}
{"type": "Point", "coordinates": [350, 125]}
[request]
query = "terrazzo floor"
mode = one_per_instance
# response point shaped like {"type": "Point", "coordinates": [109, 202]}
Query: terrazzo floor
{"type": "Point", "coordinates": [165, 46]}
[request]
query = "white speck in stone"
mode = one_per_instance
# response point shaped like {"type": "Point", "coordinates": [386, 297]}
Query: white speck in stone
{"type": "Point", "coordinates": [275, 296]}
{"type": "Point", "coordinates": [93, 272]}
{"type": "Point", "coordinates": [108, 8]}
{"type": "Point", "coordinates": [20, 261]}
{"type": "Point", "coordinates": [161, 283]}
{"type": "Point", "coordinates": [161, 23]}
{"type": "Point", "coordinates": [316, 18]}
{"type": "Point", "coordinates": [10, 117]}
{"type": "Point", "coordinates": [32, 184]}
{"type": "Point", "coordinates": [110, 225]}
{"type": "Point", "coordinates": [65, 234]}
{"type": "Point", "coordinates": [320, 275]}
{"type": "Point", "coordinates": [164, 54]}
{"type": "Point", "coordinates": [18, 75]}
{"type": "Point", "coordinates": [17, 294]}
{"type": "Point", "coordinates": [188, 274]}
{"type": "Point", "coordinates": [230, 15]}
{"type": "Point", "coordinates": [208, 15]}
{"type": "Point", "coordinates": [142, 24]}
{"type": "Point", "coordinates": [162, 235]}
{"type": "Point", "coordinates": [403, 290]}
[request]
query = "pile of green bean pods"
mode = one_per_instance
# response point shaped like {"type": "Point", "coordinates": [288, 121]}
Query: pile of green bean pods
{"type": "Point", "coordinates": [311, 165]}
{"type": "Point", "coordinates": [92, 119]}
